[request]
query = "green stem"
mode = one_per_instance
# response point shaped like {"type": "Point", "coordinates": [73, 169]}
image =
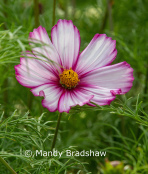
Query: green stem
{"type": "Point", "coordinates": [104, 21]}
{"type": "Point", "coordinates": [30, 100]}
{"type": "Point", "coordinates": [36, 12]}
{"type": "Point", "coordinates": [7, 165]}
{"type": "Point", "coordinates": [66, 9]}
{"type": "Point", "coordinates": [56, 132]}
{"type": "Point", "coordinates": [146, 83]}
{"type": "Point", "coordinates": [73, 2]}
{"type": "Point", "coordinates": [5, 93]}
{"type": "Point", "coordinates": [5, 14]}
{"type": "Point", "coordinates": [5, 84]}
{"type": "Point", "coordinates": [110, 14]}
{"type": "Point", "coordinates": [53, 16]}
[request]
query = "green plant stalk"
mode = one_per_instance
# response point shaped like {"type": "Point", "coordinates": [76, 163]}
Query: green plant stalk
{"type": "Point", "coordinates": [146, 83]}
{"type": "Point", "coordinates": [56, 131]}
{"type": "Point", "coordinates": [110, 14]}
{"type": "Point", "coordinates": [53, 16]}
{"type": "Point", "coordinates": [5, 93]}
{"type": "Point", "coordinates": [66, 10]}
{"type": "Point", "coordinates": [30, 100]}
{"type": "Point", "coordinates": [36, 13]}
{"type": "Point", "coordinates": [7, 165]}
{"type": "Point", "coordinates": [73, 3]}
{"type": "Point", "coordinates": [5, 84]}
{"type": "Point", "coordinates": [5, 14]}
{"type": "Point", "coordinates": [104, 21]}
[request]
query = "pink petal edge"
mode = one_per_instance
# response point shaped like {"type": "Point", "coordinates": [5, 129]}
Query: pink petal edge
{"type": "Point", "coordinates": [100, 52]}
{"type": "Point", "coordinates": [73, 95]}
{"type": "Point", "coordinates": [62, 39]}
{"type": "Point", "coordinates": [117, 76]}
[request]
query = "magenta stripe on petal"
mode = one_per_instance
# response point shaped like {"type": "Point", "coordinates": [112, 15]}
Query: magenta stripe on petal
{"type": "Point", "coordinates": [31, 72]}
{"type": "Point", "coordinates": [46, 51]}
{"type": "Point", "coordinates": [51, 94]}
{"type": "Point", "coordinates": [66, 39]}
{"type": "Point", "coordinates": [102, 96]}
{"type": "Point", "coordinates": [118, 76]}
{"type": "Point", "coordinates": [70, 98]}
{"type": "Point", "coordinates": [100, 52]}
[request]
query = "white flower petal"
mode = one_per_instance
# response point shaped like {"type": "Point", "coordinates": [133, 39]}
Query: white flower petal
{"type": "Point", "coordinates": [66, 39]}
{"type": "Point", "coordinates": [118, 76]}
{"type": "Point", "coordinates": [46, 51]}
{"type": "Point", "coordinates": [100, 52]}
{"type": "Point", "coordinates": [32, 72]}
{"type": "Point", "coordinates": [71, 98]}
{"type": "Point", "coordinates": [51, 93]}
{"type": "Point", "coordinates": [102, 96]}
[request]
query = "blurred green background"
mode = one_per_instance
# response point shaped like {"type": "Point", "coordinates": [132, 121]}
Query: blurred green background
{"type": "Point", "coordinates": [119, 129]}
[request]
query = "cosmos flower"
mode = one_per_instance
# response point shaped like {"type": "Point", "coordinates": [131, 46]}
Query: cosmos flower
{"type": "Point", "coordinates": [73, 78]}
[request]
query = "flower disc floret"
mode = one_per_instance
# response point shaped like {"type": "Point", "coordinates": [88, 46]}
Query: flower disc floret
{"type": "Point", "coordinates": [69, 78]}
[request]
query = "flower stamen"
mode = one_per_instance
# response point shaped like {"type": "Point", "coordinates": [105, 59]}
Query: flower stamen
{"type": "Point", "coordinates": [69, 78]}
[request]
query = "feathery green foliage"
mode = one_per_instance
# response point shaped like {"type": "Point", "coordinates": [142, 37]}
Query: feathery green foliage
{"type": "Point", "coordinates": [120, 129]}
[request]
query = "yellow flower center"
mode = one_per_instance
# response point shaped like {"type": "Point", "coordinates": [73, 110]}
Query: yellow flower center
{"type": "Point", "coordinates": [69, 78]}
